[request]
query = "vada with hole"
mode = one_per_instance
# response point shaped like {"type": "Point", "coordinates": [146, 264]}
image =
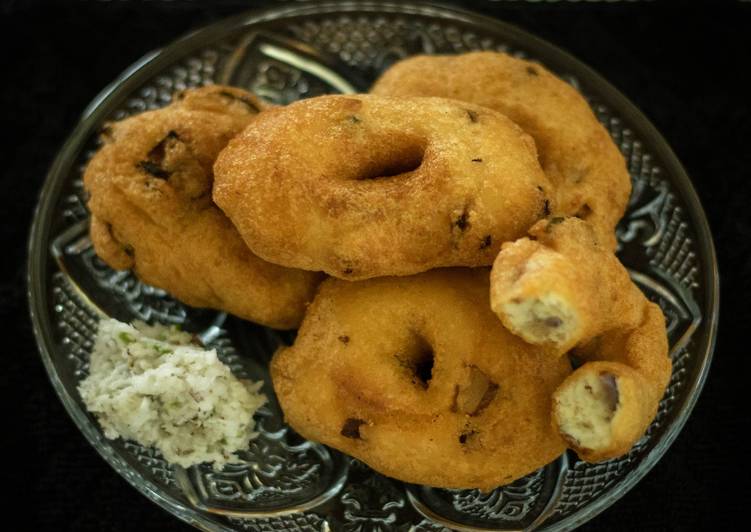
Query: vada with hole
{"type": "Point", "coordinates": [409, 374]}
{"type": "Point", "coordinates": [362, 186]}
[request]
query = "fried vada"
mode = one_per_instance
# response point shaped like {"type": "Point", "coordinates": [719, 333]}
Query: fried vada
{"type": "Point", "coordinates": [586, 168]}
{"type": "Point", "coordinates": [149, 191]}
{"type": "Point", "coordinates": [559, 288]}
{"type": "Point", "coordinates": [361, 186]}
{"type": "Point", "coordinates": [409, 374]}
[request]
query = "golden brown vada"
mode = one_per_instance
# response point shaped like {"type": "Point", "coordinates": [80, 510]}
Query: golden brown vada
{"type": "Point", "coordinates": [561, 289]}
{"type": "Point", "coordinates": [576, 152]}
{"type": "Point", "coordinates": [361, 186]}
{"type": "Point", "coordinates": [151, 210]}
{"type": "Point", "coordinates": [417, 377]}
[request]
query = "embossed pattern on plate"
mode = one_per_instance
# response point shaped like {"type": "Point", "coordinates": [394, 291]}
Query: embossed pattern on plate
{"type": "Point", "coordinates": [282, 481]}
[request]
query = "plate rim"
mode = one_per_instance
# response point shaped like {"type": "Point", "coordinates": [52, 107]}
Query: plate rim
{"type": "Point", "coordinates": [139, 71]}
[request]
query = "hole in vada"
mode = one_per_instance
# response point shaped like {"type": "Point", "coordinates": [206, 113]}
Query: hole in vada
{"type": "Point", "coordinates": [424, 368]}
{"type": "Point", "coordinates": [418, 360]}
{"type": "Point", "coordinates": [402, 158]}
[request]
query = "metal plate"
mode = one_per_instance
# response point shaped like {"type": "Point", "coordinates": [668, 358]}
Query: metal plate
{"type": "Point", "coordinates": [284, 482]}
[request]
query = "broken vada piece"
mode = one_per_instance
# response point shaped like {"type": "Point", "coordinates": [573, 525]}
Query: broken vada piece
{"type": "Point", "coordinates": [560, 289]}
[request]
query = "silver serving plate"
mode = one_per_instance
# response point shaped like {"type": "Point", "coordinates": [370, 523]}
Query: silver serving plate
{"type": "Point", "coordinates": [285, 482]}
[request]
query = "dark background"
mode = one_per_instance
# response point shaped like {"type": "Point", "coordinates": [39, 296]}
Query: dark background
{"type": "Point", "coordinates": [685, 67]}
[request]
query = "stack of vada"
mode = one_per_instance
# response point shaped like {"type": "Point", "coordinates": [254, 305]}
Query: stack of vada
{"type": "Point", "coordinates": [445, 245]}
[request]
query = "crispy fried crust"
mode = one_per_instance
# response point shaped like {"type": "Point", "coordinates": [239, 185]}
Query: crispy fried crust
{"type": "Point", "coordinates": [150, 199]}
{"type": "Point", "coordinates": [560, 289]}
{"type": "Point", "coordinates": [416, 377]}
{"type": "Point", "coordinates": [576, 152]}
{"type": "Point", "coordinates": [363, 186]}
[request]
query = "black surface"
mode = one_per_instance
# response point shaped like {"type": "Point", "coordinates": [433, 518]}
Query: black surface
{"type": "Point", "coordinates": [684, 67]}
